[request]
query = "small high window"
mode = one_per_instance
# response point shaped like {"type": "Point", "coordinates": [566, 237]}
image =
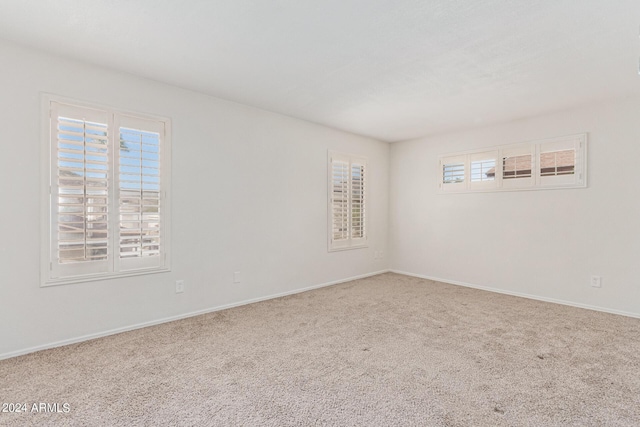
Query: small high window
{"type": "Point", "coordinates": [552, 163]}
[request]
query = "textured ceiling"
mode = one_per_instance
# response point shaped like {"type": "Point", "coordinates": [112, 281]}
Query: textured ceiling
{"type": "Point", "coordinates": [389, 69]}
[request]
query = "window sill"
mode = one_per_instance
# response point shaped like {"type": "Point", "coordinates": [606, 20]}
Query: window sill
{"type": "Point", "coordinates": [96, 277]}
{"type": "Point", "coordinates": [348, 248]}
{"type": "Point", "coordinates": [504, 190]}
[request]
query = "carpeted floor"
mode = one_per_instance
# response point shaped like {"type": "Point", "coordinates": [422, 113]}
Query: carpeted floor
{"type": "Point", "coordinates": [389, 350]}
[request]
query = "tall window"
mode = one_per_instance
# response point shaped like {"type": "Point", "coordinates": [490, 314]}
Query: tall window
{"type": "Point", "coordinates": [107, 210]}
{"type": "Point", "coordinates": [347, 201]}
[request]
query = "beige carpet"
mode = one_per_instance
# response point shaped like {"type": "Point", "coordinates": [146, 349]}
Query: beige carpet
{"type": "Point", "coordinates": [389, 350]}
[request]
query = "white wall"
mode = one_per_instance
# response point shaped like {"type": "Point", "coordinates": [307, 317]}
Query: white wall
{"type": "Point", "coordinates": [542, 243]}
{"type": "Point", "coordinates": [249, 194]}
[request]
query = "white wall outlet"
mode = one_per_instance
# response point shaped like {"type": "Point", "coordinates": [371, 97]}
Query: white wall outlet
{"type": "Point", "coordinates": [596, 281]}
{"type": "Point", "coordinates": [381, 253]}
{"type": "Point", "coordinates": [179, 286]}
{"type": "Point", "coordinates": [236, 277]}
{"type": "Point", "coordinates": [376, 255]}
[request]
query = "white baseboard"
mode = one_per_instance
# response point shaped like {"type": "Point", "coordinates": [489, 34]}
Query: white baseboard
{"type": "Point", "coordinates": [520, 294]}
{"type": "Point", "coordinates": [178, 317]}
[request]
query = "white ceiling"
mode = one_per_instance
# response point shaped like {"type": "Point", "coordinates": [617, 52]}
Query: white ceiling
{"type": "Point", "coordinates": [389, 69]}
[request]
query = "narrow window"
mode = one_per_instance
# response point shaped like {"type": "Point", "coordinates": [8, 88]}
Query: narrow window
{"type": "Point", "coordinates": [347, 201]}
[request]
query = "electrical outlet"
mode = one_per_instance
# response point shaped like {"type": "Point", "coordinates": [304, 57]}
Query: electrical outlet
{"type": "Point", "coordinates": [236, 277]}
{"type": "Point", "coordinates": [381, 254]}
{"type": "Point", "coordinates": [596, 281]}
{"type": "Point", "coordinates": [376, 255]}
{"type": "Point", "coordinates": [179, 286]}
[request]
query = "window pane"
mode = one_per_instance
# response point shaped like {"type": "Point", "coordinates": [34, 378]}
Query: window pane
{"type": "Point", "coordinates": [139, 183]}
{"type": "Point", "coordinates": [357, 201]}
{"type": "Point", "coordinates": [515, 167]}
{"type": "Point", "coordinates": [340, 200]}
{"type": "Point", "coordinates": [82, 172]}
{"type": "Point", "coordinates": [453, 173]}
{"type": "Point", "coordinates": [558, 163]}
{"type": "Point", "coordinates": [483, 170]}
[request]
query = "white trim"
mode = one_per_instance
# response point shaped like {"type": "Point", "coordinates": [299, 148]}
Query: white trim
{"type": "Point", "coordinates": [180, 316]}
{"type": "Point", "coordinates": [45, 187]}
{"type": "Point", "coordinates": [47, 97]}
{"type": "Point", "coordinates": [520, 294]}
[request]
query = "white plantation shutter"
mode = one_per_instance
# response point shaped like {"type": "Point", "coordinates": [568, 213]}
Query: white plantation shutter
{"type": "Point", "coordinates": [517, 164]}
{"type": "Point", "coordinates": [561, 161]}
{"type": "Point", "coordinates": [340, 200]}
{"type": "Point", "coordinates": [79, 191]}
{"type": "Point", "coordinates": [453, 173]}
{"type": "Point", "coordinates": [358, 208]}
{"type": "Point", "coordinates": [535, 165]}
{"type": "Point", "coordinates": [347, 201]}
{"type": "Point", "coordinates": [107, 207]}
{"type": "Point", "coordinates": [139, 192]}
{"type": "Point", "coordinates": [483, 170]}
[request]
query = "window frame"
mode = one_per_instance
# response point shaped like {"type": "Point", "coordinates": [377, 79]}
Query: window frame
{"type": "Point", "coordinates": [557, 180]}
{"type": "Point", "coordinates": [50, 272]}
{"type": "Point", "coordinates": [578, 179]}
{"type": "Point", "coordinates": [350, 242]}
{"type": "Point", "coordinates": [518, 182]}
